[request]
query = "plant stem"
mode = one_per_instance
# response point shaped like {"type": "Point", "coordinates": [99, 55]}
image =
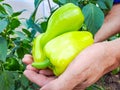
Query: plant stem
{"type": "Point", "coordinates": [50, 6]}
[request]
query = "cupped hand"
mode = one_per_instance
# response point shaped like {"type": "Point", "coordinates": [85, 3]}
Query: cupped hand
{"type": "Point", "coordinates": [40, 77]}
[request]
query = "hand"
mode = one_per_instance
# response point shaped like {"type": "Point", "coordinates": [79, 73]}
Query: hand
{"type": "Point", "coordinates": [86, 68]}
{"type": "Point", "coordinates": [40, 77]}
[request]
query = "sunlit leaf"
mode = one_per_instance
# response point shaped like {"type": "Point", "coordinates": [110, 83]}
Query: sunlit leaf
{"type": "Point", "coordinates": [3, 24]}
{"type": "Point", "coordinates": [3, 49]}
{"type": "Point", "coordinates": [94, 17]}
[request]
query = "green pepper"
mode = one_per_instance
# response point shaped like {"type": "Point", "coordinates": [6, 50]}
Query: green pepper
{"type": "Point", "coordinates": [65, 19]}
{"type": "Point", "coordinates": [61, 50]}
{"type": "Point", "coordinates": [68, 17]}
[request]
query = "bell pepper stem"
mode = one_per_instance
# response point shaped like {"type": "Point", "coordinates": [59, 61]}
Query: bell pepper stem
{"type": "Point", "coordinates": [41, 65]}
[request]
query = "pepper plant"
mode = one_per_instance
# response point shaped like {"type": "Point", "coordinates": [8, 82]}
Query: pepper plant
{"type": "Point", "coordinates": [16, 40]}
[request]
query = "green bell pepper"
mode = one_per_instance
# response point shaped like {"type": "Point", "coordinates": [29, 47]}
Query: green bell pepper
{"type": "Point", "coordinates": [68, 17]}
{"type": "Point", "coordinates": [61, 50]}
{"type": "Point", "coordinates": [62, 41]}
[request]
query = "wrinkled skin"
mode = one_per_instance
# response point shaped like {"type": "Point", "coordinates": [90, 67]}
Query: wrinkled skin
{"type": "Point", "coordinates": [88, 66]}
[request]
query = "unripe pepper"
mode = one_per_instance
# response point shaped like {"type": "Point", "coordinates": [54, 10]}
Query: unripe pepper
{"type": "Point", "coordinates": [62, 41]}
{"type": "Point", "coordinates": [61, 50]}
{"type": "Point", "coordinates": [67, 18]}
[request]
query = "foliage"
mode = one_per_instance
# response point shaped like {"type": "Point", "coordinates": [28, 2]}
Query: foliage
{"type": "Point", "coordinates": [16, 38]}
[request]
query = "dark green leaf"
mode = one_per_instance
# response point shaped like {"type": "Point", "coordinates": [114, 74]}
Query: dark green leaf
{"type": "Point", "coordinates": [24, 81]}
{"type": "Point", "coordinates": [21, 52]}
{"type": "Point", "coordinates": [105, 4]}
{"type": "Point", "coordinates": [94, 17]}
{"type": "Point", "coordinates": [102, 4]}
{"type": "Point", "coordinates": [26, 32]}
{"type": "Point", "coordinates": [3, 49]}
{"type": "Point", "coordinates": [15, 14]}
{"type": "Point", "coordinates": [109, 3]}
{"type": "Point", "coordinates": [6, 81]}
{"type": "Point", "coordinates": [3, 24]}
{"type": "Point", "coordinates": [14, 23]}
{"type": "Point", "coordinates": [1, 0]}
{"type": "Point", "coordinates": [37, 2]}
{"type": "Point", "coordinates": [8, 8]}
{"type": "Point", "coordinates": [66, 1]}
{"type": "Point", "coordinates": [44, 26]}
{"type": "Point", "coordinates": [34, 26]}
{"type": "Point", "coordinates": [2, 9]}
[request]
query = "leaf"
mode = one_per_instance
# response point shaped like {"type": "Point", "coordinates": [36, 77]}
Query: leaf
{"type": "Point", "coordinates": [94, 17]}
{"type": "Point", "coordinates": [14, 23]}
{"type": "Point", "coordinates": [44, 26]}
{"type": "Point", "coordinates": [24, 81]}
{"type": "Point", "coordinates": [21, 52]}
{"type": "Point", "coordinates": [6, 81]}
{"type": "Point", "coordinates": [20, 34]}
{"type": "Point", "coordinates": [37, 2]}
{"type": "Point", "coordinates": [34, 26]}
{"type": "Point", "coordinates": [109, 3]}
{"type": "Point", "coordinates": [1, 0]}
{"type": "Point", "coordinates": [66, 1]}
{"type": "Point", "coordinates": [105, 4]}
{"type": "Point", "coordinates": [3, 24]}
{"type": "Point", "coordinates": [3, 49]}
{"type": "Point", "coordinates": [15, 14]}
{"type": "Point", "coordinates": [26, 32]}
{"type": "Point", "coordinates": [102, 4]}
{"type": "Point", "coordinates": [8, 8]}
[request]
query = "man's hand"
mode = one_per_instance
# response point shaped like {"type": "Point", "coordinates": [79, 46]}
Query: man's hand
{"type": "Point", "coordinates": [40, 77]}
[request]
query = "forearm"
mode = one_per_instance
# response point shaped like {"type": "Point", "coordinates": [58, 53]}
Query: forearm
{"type": "Point", "coordinates": [111, 24]}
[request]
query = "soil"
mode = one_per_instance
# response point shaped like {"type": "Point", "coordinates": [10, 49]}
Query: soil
{"type": "Point", "coordinates": [110, 81]}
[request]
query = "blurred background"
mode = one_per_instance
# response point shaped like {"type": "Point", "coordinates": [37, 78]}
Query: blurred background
{"type": "Point", "coordinates": [29, 6]}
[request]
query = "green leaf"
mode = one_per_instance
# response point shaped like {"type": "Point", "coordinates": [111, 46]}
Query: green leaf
{"type": "Point", "coordinates": [20, 34]}
{"type": "Point", "coordinates": [24, 81]}
{"type": "Point", "coordinates": [44, 26]}
{"type": "Point", "coordinates": [3, 24]}
{"type": "Point", "coordinates": [8, 8]}
{"type": "Point", "coordinates": [109, 3]}
{"type": "Point", "coordinates": [102, 4]}
{"type": "Point", "coordinates": [1, 0]}
{"type": "Point", "coordinates": [94, 17]}
{"type": "Point", "coordinates": [27, 32]}
{"type": "Point", "coordinates": [37, 2]}
{"type": "Point", "coordinates": [14, 23]}
{"type": "Point", "coordinates": [66, 1]}
{"type": "Point", "coordinates": [21, 52]}
{"type": "Point", "coordinates": [105, 4]}
{"type": "Point", "coordinates": [6, 81]}
{"type": "Point", "coordinates": [3, 49]}
{"type": "Point", "coordinates": [15, 14]}
{"type": "Point", "coordinates": [34, 26]}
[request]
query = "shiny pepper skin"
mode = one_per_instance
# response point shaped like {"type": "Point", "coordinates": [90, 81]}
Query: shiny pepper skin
{"type": "Point", "coordinates": [62, 41]}
{"type": "Point", "coordinates": [64, 48]}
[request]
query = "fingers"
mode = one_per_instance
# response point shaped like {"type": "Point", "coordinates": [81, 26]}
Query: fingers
{"type": "Point", "coordinates": [27, 59]}
{"type": "Point", "coordinates": [46, 72]}
{"type": "Point", "coordinates": [29, 67]}
{"type": "Point", "coordinates": [39, 79]}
